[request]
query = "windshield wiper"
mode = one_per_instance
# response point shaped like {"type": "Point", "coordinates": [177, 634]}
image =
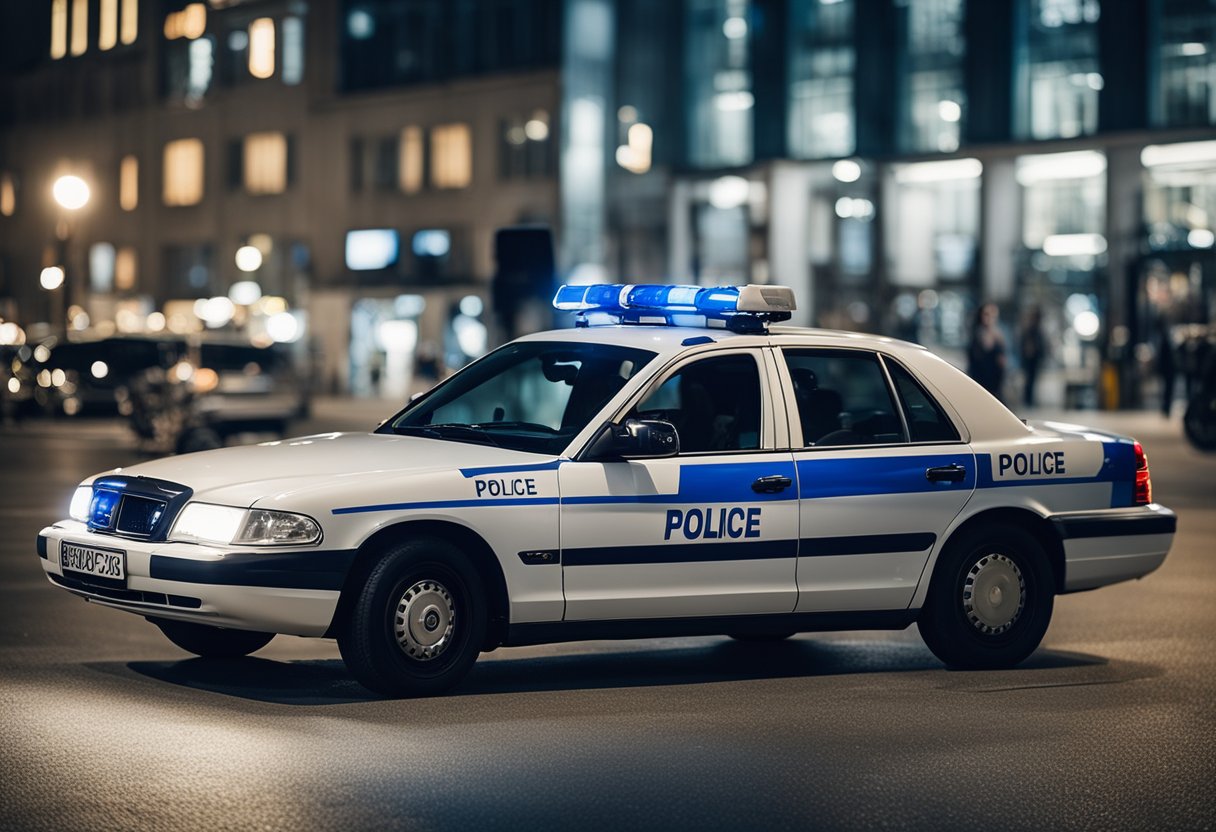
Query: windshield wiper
{"type": "Point", "coordinates": [516, 426]}
{"type": "Point", "coordinates": [459, 433]}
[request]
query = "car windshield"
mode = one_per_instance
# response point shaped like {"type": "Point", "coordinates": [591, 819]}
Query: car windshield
{"type": "Point", "coordinates": [527, 396]}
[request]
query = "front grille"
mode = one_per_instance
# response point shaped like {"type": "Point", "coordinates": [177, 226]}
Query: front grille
{"type": "Point", "coordinates": [139, 515]}
{"type": "Point", "coordinates": [137, 507]}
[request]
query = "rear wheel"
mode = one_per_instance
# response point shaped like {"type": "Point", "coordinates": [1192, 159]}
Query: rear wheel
{"type": "Point", "coordinates": [211, 642]}
{"type": "Point", "coordinates": [991, 599]}
{"type": "Point", "coordinates": [419, 621]}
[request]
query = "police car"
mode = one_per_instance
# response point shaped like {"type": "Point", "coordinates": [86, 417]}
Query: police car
{"type": "Point", "coordinates": [675, 464]}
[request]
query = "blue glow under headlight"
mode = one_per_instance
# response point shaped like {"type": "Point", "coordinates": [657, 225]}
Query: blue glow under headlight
{"type": "Point", "coordinates": [745, 308]}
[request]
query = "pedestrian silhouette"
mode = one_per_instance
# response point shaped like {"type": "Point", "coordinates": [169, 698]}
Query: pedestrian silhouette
{"type": "Point", "coordinates": [1031, 347]}
{"type": "Point", "coordinates": [986, 352]}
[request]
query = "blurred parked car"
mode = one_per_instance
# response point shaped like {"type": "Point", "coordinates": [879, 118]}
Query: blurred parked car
{"type": "Point", "coordinates": [74, 378]}
{"type": "Point", "coordinates": [17, 382]}
{"type": "Point", "coordinates": [217, 390]}
{"type": "Point", "coordinates": [1199, 367]}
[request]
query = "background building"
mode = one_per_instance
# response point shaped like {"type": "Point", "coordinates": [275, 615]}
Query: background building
{"type": "Point", "coordinates": [895, 161]}
{"type": "Point", "coordinates": [352, 159]}
{"type": "Point", "coordinates": [900, 161]}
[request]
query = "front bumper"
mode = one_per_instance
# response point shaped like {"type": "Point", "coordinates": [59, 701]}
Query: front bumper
{"type": "Point", "coordinates": [1112, 545]}
{"type": "Point", "coordinates": [292, 591]}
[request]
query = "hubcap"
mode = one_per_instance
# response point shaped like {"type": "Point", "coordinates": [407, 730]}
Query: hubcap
{"type": "Point", "coordinates": [994, 594]}
{"type": "Point", "coordinates": [424, 619]}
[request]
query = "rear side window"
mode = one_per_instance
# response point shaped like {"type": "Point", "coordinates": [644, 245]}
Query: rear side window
{"type": "Point", "coordinates": [927, 422]}
{"type": "Point", "coordinates": [842, 398]}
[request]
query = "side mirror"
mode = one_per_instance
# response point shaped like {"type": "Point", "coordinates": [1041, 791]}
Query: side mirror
{"type": "Point", "coordinates": [636, 439]}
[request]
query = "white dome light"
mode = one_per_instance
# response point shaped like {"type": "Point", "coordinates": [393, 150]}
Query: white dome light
{"type": "Point", "coordinates": [1200, 238]}
{"type": "Point", "coordinates": [245, 292]}
{"type": "Point", "coordinates": [51, 278]}
{"type": "Point", "coordinates": [216, 311]}
{"type": "Point", "coordinates": [1086, 324]}
{"type": "Point", "coordinates": [248, 259]}
{"type": "Point", "coordinates": [728, 192]}
{"type": "Point", "coordinates": [283, 327]}
{"type": "Point", "coordinates": [70, 192]}
{"type": "Point", "coordinates": [846, 170]}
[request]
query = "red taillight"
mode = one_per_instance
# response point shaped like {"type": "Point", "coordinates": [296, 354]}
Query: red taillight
{"type": "Point", "coordinates": [1144, 482]}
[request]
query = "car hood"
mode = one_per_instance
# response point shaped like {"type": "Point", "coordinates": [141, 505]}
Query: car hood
{"type": "Point", "coordinates": [245, 474]}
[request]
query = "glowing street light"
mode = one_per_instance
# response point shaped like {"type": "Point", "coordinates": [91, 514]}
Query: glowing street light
{"type": "Point", "coordinates": [71, 192]}
{"type": "Point", "coordinates": [51, 278]}
{"type": "Point", "coordinates": [248, 258]}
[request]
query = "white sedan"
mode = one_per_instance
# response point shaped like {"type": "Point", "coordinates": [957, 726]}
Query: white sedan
{"type": "Point", "coordinates": [676, 464]}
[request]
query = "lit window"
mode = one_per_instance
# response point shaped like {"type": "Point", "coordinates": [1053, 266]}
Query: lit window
{"type": "Point", "coordinates": [125, 271]}
{"type": "Point", "coordinates": [107, 32]}
{"type": "Point", "coordinates": [293, 50]}
{"type": "Point", "coordinates": [128, 183]}
{"type": "Point", "coordinates": [369, 249]}
{"type": "Point", "coordinates": [102, 261]}
{"type": "Point", "coordinates": [189, 23]}
{"type": "Point", "coordinates": [80, 26]}
{"type": "Point", "coordinates": [451, 156]}
{"type": "Point", "coordinates": [8, 195]}
{"type": "Point", "coordinates": [409, 169]}
{"type": "Point", "coordinates": [198, 76]}
{"type": "Point", "coordinates": [130, 21]}
{"type": "Point", "coordinates": [184, 172]}
{"type": "Point", "coordinates": [265, 163]}
{"type": "Point", "coordinates": [261, 48]}
{"type": "Point", "coordinates": [59, 28]}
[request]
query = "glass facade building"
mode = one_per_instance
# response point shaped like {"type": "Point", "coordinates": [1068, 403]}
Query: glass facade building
{"type": "Point", "coordinates": [900, 162]}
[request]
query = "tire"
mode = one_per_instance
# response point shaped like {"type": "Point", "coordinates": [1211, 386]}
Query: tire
{"type": "Point", "coordinates": [1199, 421]}
{"type": "Point", "coordinates": [970, 630]}
{"type": "Point", "coordinates": [212, 642]}
{"type": "Point", "coordinates": [760, 637]}
{"type": "Point", "coordinates": [434, 585]}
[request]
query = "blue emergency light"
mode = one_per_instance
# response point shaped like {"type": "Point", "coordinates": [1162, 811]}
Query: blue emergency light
{"type": "Point", "coordinates": [737, 308]}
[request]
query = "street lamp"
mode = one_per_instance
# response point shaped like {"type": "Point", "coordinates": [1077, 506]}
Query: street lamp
{"type": "Point", "coordinates": [71, 193]}
{"type": "Point", "coordinates": [51, 278]}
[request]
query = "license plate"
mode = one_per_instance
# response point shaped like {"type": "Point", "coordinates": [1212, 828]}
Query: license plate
{"type": "Point", "coordinates": [107, 564]}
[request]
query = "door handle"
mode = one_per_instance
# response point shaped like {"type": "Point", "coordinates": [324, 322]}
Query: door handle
{"type": "Point", "coordinates": [946, 473]}
{"type": "Point", "coordinates": [772, 485]}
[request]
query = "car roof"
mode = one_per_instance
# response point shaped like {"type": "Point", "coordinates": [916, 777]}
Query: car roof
{"type": "Point", "coordinates": [671, 340]}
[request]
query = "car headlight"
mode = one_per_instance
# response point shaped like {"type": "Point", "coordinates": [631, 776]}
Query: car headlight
{"type": "Point", "coordinates": [82, 498]}
{"type": "Point", "coordinates": [207, 523]}
{"type": "Point", "coordinates": [265, 527]}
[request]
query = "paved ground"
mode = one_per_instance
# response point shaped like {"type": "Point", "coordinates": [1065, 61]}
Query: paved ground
{"type": "Point", "coordinates": [104, 724]}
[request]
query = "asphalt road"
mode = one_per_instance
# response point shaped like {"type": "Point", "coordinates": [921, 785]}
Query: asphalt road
{"type": "Point", "coordinates": [1110, 725]}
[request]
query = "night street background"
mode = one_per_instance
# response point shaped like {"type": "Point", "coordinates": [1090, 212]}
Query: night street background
{"type": "Point", "coordinates": [1110, 725]}
{"type": "Point", "coordinates": [284, 216]}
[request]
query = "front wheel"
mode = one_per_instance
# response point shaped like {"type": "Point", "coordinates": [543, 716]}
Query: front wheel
{"type": "Point", "coordinates": [212, 642]}
{"type": "Point", "coordinates": [990, 600]}
{"type": "Point", "coordinates": [418, 623]}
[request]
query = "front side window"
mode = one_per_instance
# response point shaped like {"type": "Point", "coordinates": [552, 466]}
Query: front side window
{"type": "Point", "coordinates": [528, 396]}
{"type": "Point", "coordinates": [714, 404]}
{"type": "Point", "coordinates": [842, 398]}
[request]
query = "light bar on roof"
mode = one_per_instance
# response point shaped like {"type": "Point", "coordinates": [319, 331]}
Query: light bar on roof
{"type": "Point", "coordinates": [743, 308]}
